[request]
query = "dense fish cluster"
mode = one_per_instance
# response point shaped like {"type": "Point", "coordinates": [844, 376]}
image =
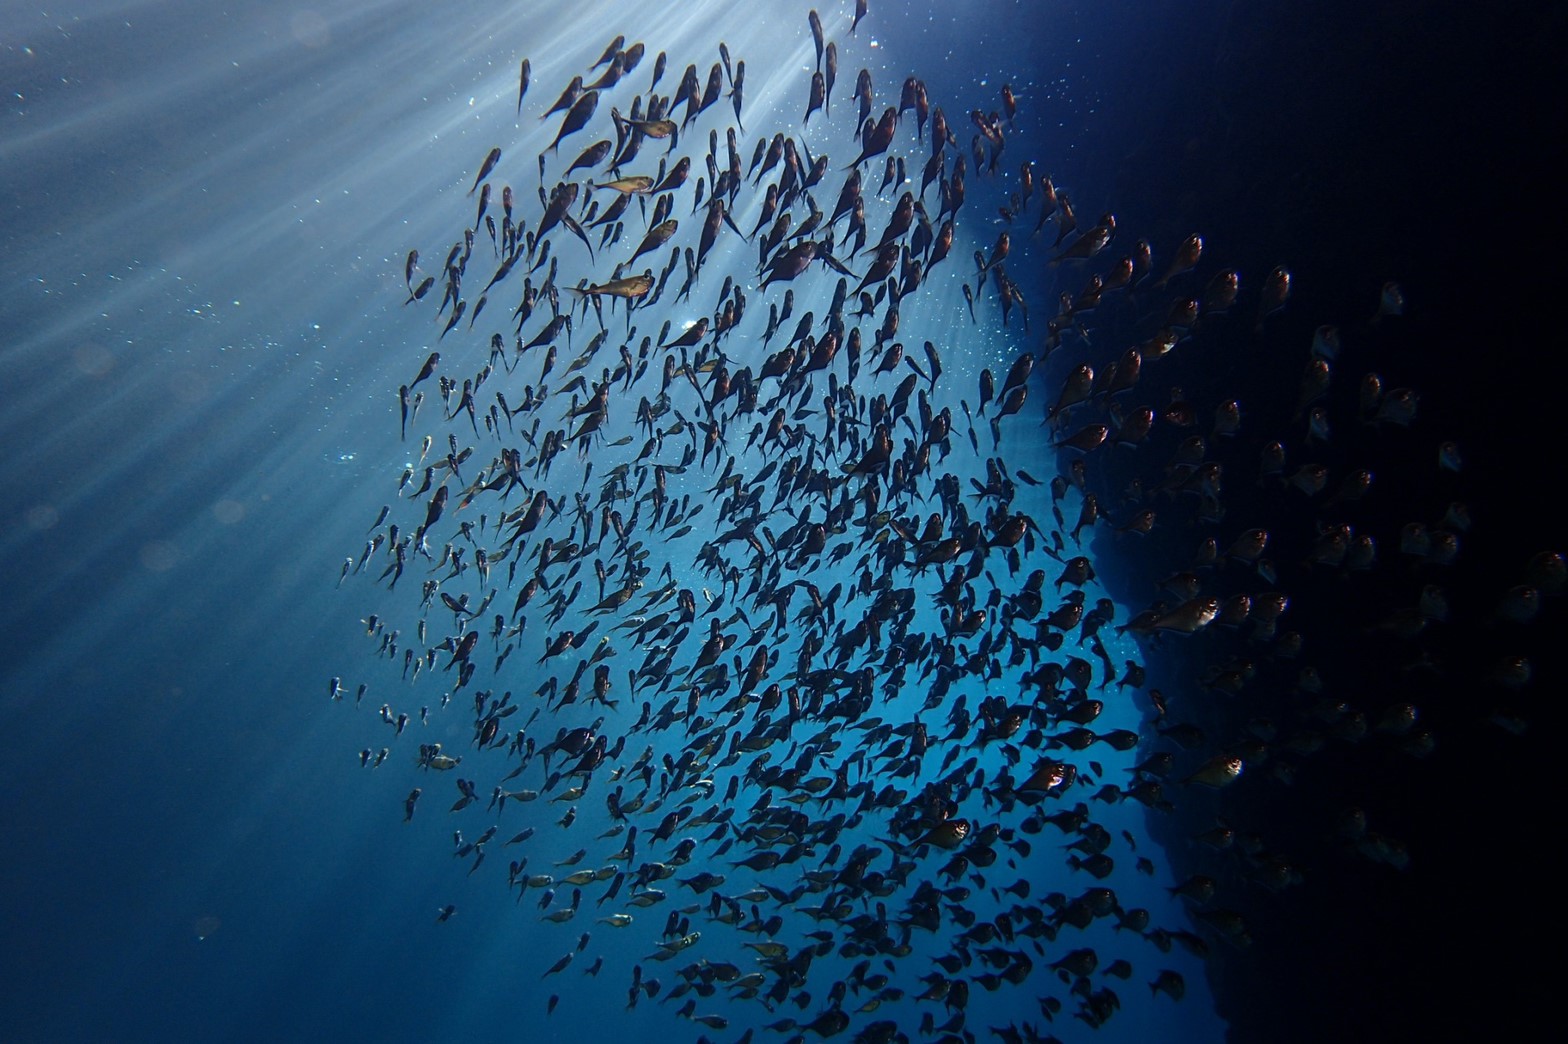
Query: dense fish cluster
{"type": "Point", "coordinates": [746, 580]}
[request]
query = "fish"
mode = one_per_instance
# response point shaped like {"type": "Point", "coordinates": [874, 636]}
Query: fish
{"type": "Point", "coordinates": [852, 695]}
{"type": "Point", "coordinates": [610, 51]}
{"type": "Point", "coordinates": [568, 98]}
{"type": "Point", "coordinates": [656, 237]}
{"type": "Point", "coordinates": [817, 96]}
{"type": "Point", "coordinates": [418, 293]}
{"type": "Point", "coordinates": [675, 178]}
{"type": "Point", "coordinates": [656, 129]}
{"type": "Point", "coordinates": [1185, 259]}
{"type": "Point", "coordinates": [610, 77]}
{"type": "Point", "coordinates": [592, 156]}
{"type": "Point", "coordinates": [426, 370]}
{"type": "Point", "coordinates": [639, 184]}
{"type": "Point", "coordinates": [493, 158]}
{"type": "Point", "coordinates": [630, 287]}
{"type": "Point", "coordinates": [577, 117]}
{"type": "Point", "coordinates": [877, 141]}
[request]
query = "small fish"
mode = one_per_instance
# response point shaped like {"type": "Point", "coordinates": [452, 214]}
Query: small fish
{"type": "Point", "coordinates": [425, 371]}
{"type": "Point", "coordinates": [418, 293]}
{"type": "Point", "coordinates": [1185, 260]}
{"type": "Point", "coordinates": [639, 184]}
{"type": "Point", "coordinates": [657, 129]}
{"type": "Point", "coordinates": [486, 167]}
{"type": "Point", "coordinates": [590, 157]}
{"type": "Point", "coordinates": [656, 237]}
{"type": "Point", "coordinates": [629, 288]}
{"type": "Point", "coordinates": [577, 117]}
{"type": "Point", "coordinates": [1169, 983]}
{"type": "Point", "coordinates": [610, 52]}
{"type": "Point", "coordinates": [1219, 771]}
{"type": "Point", "coordinates": [818, 95]}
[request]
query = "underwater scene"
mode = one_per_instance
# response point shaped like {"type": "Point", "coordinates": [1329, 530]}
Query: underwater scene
{"type": "Point", "coordinates": [943, 521]}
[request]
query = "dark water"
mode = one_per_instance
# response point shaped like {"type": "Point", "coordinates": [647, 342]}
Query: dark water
{"type": "Point", "coordinates": [205, 218]}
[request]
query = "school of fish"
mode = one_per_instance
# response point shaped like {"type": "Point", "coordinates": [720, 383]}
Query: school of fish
{"type": "Point", "coordinates": [782, 665]}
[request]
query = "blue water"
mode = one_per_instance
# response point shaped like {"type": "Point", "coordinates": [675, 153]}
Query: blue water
{"type": "Point", "coordinates": [205, 222]}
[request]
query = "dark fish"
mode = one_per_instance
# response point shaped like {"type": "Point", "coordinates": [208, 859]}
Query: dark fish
{"type": "Point", "coordinates": [863, 97]}
{"type": "Point", "coordinates": [1185, 259]}
{"type": "Point", "coordinates": [881, 136]}
{"type": "Point", "coordinates": [590, 157]}
{"type": "Point", "coordinates": [609, 52]}
{"type": "Point", "coordinates": [632, 56]}
{"type": "Point", "coordinates": [567, 99]}
{"type": "Point", "coordinates": [830, 76]}
{"type": "Point", "coordinates": [426, 370]}
{"type": "Point", "coordinates": [818, 94]}
{"type": "Point", "coordinates": [1018, 375]}
{"type": "Point", "coordinates": [675, 178]}
{"type": "Point", "coordinates": [688, 91]}
{"type": "Point", "coordinates": [418, 293]}
{"type": "Point", "coordinates": [486, 167]}
{"type": "Point", "coordinates": [737, 88]}
{"type": "Point", "coordinates": [933, 362]}
{"type": "Point", "coordinates": [610, 77]}
{"type": "Point", "coordinates": [581, 112]}
{"type": "Point", "coordinates": [1013, 401]}
{"type": "Point", "coordinates": [714, 89]}
{"type": "Point", "coordinates": [484, 203]}
{"type": "Point", "coordinates": [656, 237]}
{"type": "Point", "coordinates": [561, 201]}
{"type": "Point", "coordinates": [523, 72]}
